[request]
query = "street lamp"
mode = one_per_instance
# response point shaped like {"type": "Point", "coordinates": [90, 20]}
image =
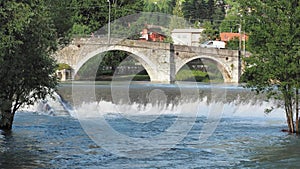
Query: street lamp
{"type": "Point", "coordinates": [108, 36]}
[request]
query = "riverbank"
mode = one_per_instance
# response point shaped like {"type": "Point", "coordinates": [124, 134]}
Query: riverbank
{"type": "Point", "coordinates": [184, 75]}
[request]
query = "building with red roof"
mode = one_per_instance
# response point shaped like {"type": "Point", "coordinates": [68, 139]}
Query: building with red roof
{"type": "Point", "coordinates": [227, 36]}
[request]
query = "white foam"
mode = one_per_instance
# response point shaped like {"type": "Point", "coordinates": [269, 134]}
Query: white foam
{"type": "Point", "coordinates": [49, 106]}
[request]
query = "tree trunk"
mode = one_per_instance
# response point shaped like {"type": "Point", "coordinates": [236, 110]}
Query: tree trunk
{"type": "Point", "coordinates": [291, 119]}
{"type": "Point", "coordinates": [290, 122]}
{"type": "Point", "coordinates": [297, 111]}
{"type": "Point", "coordinates": [288, 104]}
{"type": "Point", "coordinates": [6, 115]}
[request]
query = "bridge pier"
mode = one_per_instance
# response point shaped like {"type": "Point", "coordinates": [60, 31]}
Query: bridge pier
{"type": "Point", "coordinates": [64, 74]}
{"type": "Point", "coordinates": [162, 77]}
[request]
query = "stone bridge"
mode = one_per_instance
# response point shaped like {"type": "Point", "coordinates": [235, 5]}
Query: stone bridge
{"type": "Point", "coordinates": [161, 60]}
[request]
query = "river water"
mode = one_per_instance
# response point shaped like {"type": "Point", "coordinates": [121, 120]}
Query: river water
{"type": "Point", "coordinates": [147, 125]}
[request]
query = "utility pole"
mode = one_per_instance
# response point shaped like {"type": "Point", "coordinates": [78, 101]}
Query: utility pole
{"type": "Point", "coordinates": [240, 41]}
{"type": "Point", "coordinates": [244, 39]}
{"type": "Point", "coordinates": [239, 52]}
{"type": "Point", "coordinates": [108, 36]}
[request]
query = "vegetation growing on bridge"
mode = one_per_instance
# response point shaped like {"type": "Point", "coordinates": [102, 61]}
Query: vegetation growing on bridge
{"type": "Point", "coordinates": [62, 66]}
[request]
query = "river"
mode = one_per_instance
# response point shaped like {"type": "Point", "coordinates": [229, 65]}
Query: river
{"type": "Point", "coordinates": [146, 125]}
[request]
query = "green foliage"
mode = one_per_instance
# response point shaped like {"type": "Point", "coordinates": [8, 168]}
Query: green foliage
{"type": "Point", "coordinates": [162, 6]}
{"type": "Point", "coordinates": [103, 64]}
{"type": "Point", "coordinates": [89, 69]}
{"type": "Point", "coordinates": [233, 44]}
{"type": "Point", "coordinates": [91, 15]}
{"type": "Point", "coordinates": [191, 75]}
{"type": "Point", "coordinates": [210, 32]}
{"type": "Point", "coordinates": [62, 66]}
{"type": "Point", "coordinates": [230, 24]}
{"type": "Point", "coordinates": [168, 39]}
{"type": "Point", "coordinates": [234, 15]}
{"type": "Point", "coordinates": [29, 35]}
{"type": "Point", "coordinates": [61, 16]}
{"type": "Point", "coordinates": [274, 43]}
{"type": "Point", "coordinates": [177, 20]}
{"type": "Point", "coordinates": [203, 10]}
{"type": "Point", "coordinates": [207, 14]}
{"type": "Point", "coordinates": [218, 12]}
{"type": "Point", "coordinates": [113, 59]}
{"type": "Point", "coordinates": [200, 70]}
{"type": "Point", "coordinates": [79, 29]}
{"type": "Point", "coordinates": [195, 10]}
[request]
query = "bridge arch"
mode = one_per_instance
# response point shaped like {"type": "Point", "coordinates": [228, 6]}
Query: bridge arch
{"type": "Point", "coordinates": [149, 66]}
{"type": "Point", "coordinates": [223, 68]}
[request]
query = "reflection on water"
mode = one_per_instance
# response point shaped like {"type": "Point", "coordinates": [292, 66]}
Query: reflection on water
{"type": "Point", "coordinates": [43, 141]}
{"type": "Point", "coordinates": [138, 91]}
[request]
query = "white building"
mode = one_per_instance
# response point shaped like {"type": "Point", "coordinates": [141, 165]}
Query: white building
{"type": "Point", "coordinates": [188, 37]}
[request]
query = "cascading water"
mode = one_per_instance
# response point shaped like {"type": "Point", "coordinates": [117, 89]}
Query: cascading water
{"type": "Point", "coordinates": [54, 106]}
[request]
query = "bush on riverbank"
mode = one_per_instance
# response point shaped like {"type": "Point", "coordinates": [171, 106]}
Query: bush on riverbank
{"type": "Point", "coordinates": [183, 75]}
{"type": "Point", "coordinates": [192, 75]}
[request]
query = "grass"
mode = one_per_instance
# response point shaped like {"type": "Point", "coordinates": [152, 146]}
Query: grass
{"type": "Point", "coordinates": [182, 75]}
{"type": "Point", "coordinates": [123, 78]}
{"type": "Point", "coordinates": [191, 75]}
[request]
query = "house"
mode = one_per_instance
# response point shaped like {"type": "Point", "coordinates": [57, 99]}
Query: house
{"type": "Point", "coordinates": [152, 35]}
{"type": "Point", "coordinates": [227, 36]}
{"type": "Point", "coordinates": [189, 37]}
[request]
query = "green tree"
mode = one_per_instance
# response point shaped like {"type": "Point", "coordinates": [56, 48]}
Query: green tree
{"type": "Point", "coordinates": [113, 59]}
{"type": "Point", "coordinates": [195, 10]}
{"type": "Point", "coordinates": [105, 63]}
{"type": "Point", "coordinates": [274, 66]}
{"type": "Point", "coordinates": [177, 20]}
{"type": "Point", "coordinates": [210, 8]}
{"type": "Point", "coordinates": [233, 17]}
{"type": "Point", "coordinates": [219, 10]}
{"type": "Point", "coordinates": [28, 37]}
{"type": "Point", "coordinates": [162, 6]}
{"type": "Point", "coordinates": [61, 14]}
{"type": "Point", "coordinates": [233, 44]}
{"type": "Point", "coordinates": [205, 13]}
{"type": "Point", "coordinates": [92, 15]}
{"type": "Point", "coordinates": [230, 24]}
{"type": "Point", "coordinates": [210, 32]}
